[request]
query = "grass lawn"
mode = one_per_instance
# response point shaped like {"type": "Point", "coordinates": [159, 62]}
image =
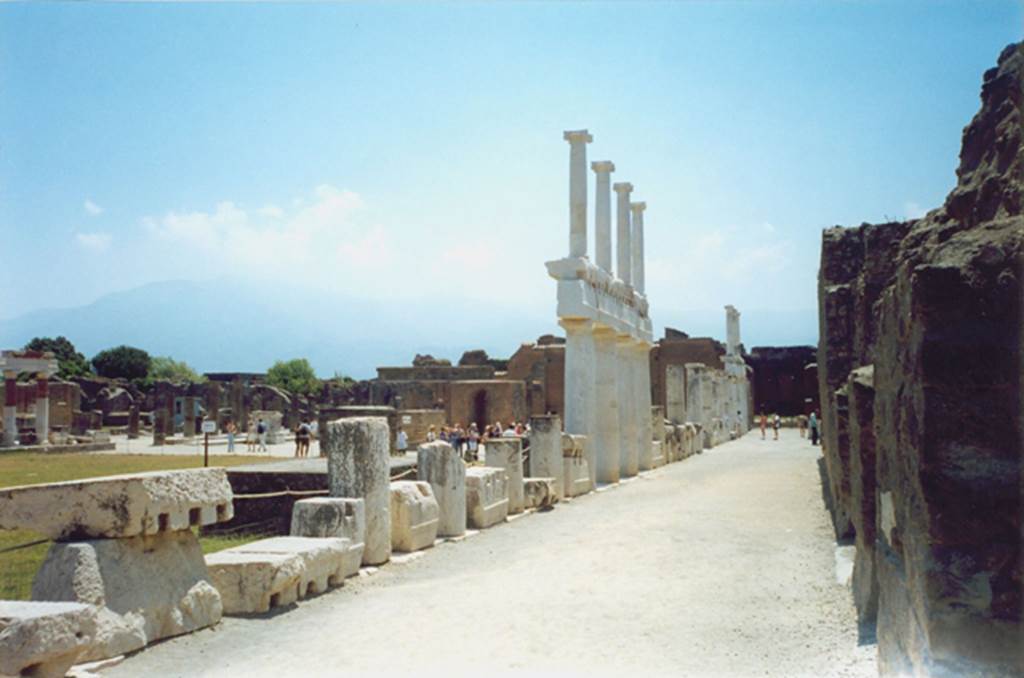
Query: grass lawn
{"type": "Point", "coordinates": [18, 568]}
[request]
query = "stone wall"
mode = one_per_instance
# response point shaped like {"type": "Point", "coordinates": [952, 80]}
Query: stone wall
{"type": "Point", "coordinates": [934, 305]}
{"type": "Point", "coordinates": [779, 381]}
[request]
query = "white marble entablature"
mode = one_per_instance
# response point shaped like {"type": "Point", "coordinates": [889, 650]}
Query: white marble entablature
{"type": "Point", "coordinates": [586, 291]}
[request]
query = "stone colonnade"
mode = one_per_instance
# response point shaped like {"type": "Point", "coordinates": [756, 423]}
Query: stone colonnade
{"type": "Point", "coordinates": [605, 317]}
{"type": "Point", "coordinates": [43, 365]}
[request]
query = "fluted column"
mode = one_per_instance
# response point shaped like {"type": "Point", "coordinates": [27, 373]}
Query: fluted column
{"type": "Point", "coordinates": [578, 141]}
{"type": "Point", "coordinates": [603, 213]}
{"type": "Point", "coordinates": [629, 450]}
{"type": "Point", "coordinates": [606, 444]}
{"type": "Point", "coordinates": [10, 408]}
{"type": "Point", "coordinates": [624, 251]}
{"type": "Point", "coordinates": [637, 209]}
{"type": "Point", "coordinates": [42, 409]}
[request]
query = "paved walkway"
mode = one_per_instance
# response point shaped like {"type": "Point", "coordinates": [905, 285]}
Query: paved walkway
{"type": "Point", "coordinates": [719, 565]}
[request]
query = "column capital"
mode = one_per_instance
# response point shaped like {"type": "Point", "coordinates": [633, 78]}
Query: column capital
{"type": "Point", "coordinates": [577, 136]}
{"type": "Point", "coordinates": [622, 187]}
{"type": "Point", "coordinates": [602, 166]}
{"type": "Point", "coordinates": [576, 324]}
{"type": "Point", "coordinates": [638, 206]}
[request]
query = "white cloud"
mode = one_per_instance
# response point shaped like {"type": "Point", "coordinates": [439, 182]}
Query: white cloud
{"type": "Point", "coordinates": [92, 208]}
{"type": "Point", "coordinates": [911, 210]}
{"type": "Point", "coordinates": [94, 242]}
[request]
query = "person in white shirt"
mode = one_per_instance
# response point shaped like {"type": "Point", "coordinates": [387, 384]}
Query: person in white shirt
{"type": "Point", "coordinates": [402, 441]}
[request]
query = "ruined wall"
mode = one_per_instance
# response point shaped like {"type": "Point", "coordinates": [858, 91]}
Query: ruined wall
{"type": "Point", "coordinates": [676, 348]}
{"type": "Point", "coordinates": [486, 401]}
{"type": "Point", "coordinates": [541, 366]}
{"type": "Point", "coordinates": [935, 306]}
{"type": "Point", "coordinates": [779, 382]}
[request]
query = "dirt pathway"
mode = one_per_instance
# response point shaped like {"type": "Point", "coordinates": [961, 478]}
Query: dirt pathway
{"type": "Point", "coordinates": [719, 565]}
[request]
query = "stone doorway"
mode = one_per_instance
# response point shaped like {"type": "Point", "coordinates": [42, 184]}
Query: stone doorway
{"type": "Point", "coordinates": [480, 409]}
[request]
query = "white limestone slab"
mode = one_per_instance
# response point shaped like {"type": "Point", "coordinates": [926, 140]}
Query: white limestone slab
{"type": "Point", "coordinates": [486, 496]}
{"type": "Point", "coordinates": [255, 582]}
{"type": "Point", "coordinates": [43, 638]}
{"type": "Point", "coordinates": [341, 517]}
{"type": "Point", "coordinates": [414, 515]}
{"type": "Point", "coordinates": [119, 506]}
{"type": "Point", "coordinates": [507, 453]}
{"type": "Point", "coordinates": [577, 476]}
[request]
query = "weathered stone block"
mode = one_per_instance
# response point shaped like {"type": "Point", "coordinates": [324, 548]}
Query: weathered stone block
{"type": "Point", "coordinates": [255, 582]}
{"type": "Point", "coordinates": [546, 450]}
{"type": "Point", "coordinates": [326, 561]}
{"type": "Point", "coordinates": [541, 493]}
{"type": "Point", "coordinates": [330, 517]}
{"type": "Point", "coordinates": [440, 465]}
{"type": "Point", "coordinates": [358, 466]}
{"type": "Point", "coordinates": [44, 639]}
{"type": "Point", "coordinates": [861, 403]}
{"type": "Point", "coordinates": [119, 506]}
{"type": "Point", "coordinates": [486, 496]}
{"type": "Point", "coordinates": [414, 515]}
{"type": "Point", "coordinates": [507, 453]}
{"type": "Point", "coordinates": [658, 454]}
{"type": "Point", "coordinates": [146, 588]}
{"type": "Point", "coordinates": [577, 476]}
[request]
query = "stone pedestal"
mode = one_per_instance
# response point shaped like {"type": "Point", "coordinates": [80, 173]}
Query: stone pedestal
{"type": "Point", "coordinates": [486, 496]}
{"type": "Point", "coordinates": [546, 450]}
{"type": "Point", "coordinates": [438, 464]}
{"type": "Point", "coordinates": [414, 515]}
{"type": "Point", "coordinates": [358, 466]}
{"type": "Point", "coordinates": [336, 517]}
{"type": "Point", "coordinates": [507, 453]}
{"type": "Point", "coordinates": [145, 588]}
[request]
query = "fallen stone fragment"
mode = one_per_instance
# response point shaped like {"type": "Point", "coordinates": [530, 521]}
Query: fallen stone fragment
{"type": "Point", "coordinates": [541, 493]}
{"type": "Point", "coordinates": [43, 639]}
{"type": "Point", "coordinates": [330, 517]}
{"type": "Point", "coordinates": [326, 562]}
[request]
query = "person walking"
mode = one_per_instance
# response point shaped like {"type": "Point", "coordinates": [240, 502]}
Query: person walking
{"type": "Point", "coordinates": [401, 441]}
{"type": "Point", "coordinates": [473, 443]}
{"type": "Point", "coordinates": [812, 424]}
{"type": "Point", "coordinates": [232, 430]}
{"type": "Point", "coordinates": [431, 434]}
{"type": "Point", "coordinates": [261, 433]}
{"type": "Point", "coordinates": [776, 425]}
{"type": "Point", "coordinates": [302, 436]}
{"type": "Point", "coordinates": [764, 424]}
{"type": "Point", "coordinates": [250, 436]}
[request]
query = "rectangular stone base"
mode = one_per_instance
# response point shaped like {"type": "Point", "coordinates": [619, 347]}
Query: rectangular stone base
{"type": "Point", "coordinates": [255, 582]}
{"type": "Point", "coordinates": [486, 496]}
{"type": "Point", "coordinates": [657, 454]}
{"type": "Point", "coordinates": [414, 515]}
{"type": "Point", "coordinates": [577, 476]}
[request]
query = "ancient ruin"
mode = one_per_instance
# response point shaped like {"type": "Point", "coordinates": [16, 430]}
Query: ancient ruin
{"type": "Point", "coordinates": [919, 366]}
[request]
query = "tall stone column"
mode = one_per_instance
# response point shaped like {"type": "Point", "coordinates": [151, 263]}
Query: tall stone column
{"type": "Point", "coordinates": [358, 466]}
{"type": "Point", "coordinates": [603, 214]}
{"type": "Point", "coordinates": [637, 209]}
{"type": "Point", "coordinates": [212, 402]}
{"type": "Point", "coordinates": [645, 426]}
{"type": "Point", "coordinates": [578, 141]}
{"type": "Point", "coordinates": [623, 248]}
{"type": "Point", "coordinates": [732, 331]}
{"type": "Point", "coordinates": [10, 408]}
{"type": "Point", "coordinates": [626, 367]}
{"type": "Point", "coordinates": [43, 409]}
{"type": "Point", "coordinates": [606, 443]}
{"type": "Point", "coordinates": [580, 375]}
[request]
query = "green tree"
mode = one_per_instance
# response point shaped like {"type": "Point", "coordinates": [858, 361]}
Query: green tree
{"type": "Point", "coordinates": [295, 376]}
{"type": "Point", "coordinates": [169, 369]}
{"type": "Point", "coordinates": [72, 363]}
{"type": "Point", "coordinates": [125, 362]}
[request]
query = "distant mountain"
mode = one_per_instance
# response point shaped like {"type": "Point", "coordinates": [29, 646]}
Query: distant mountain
{"type": "Point", "coordinates": [234, 326]}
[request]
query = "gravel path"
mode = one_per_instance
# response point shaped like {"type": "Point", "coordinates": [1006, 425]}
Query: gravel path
{"type": "Point", "coordinates": [719, 565]}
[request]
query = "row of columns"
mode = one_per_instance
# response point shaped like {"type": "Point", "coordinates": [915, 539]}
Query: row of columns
{"type": "Point", "coordinates": [607, 373]}
{"type": "Point", "coordinates": [42, 365]}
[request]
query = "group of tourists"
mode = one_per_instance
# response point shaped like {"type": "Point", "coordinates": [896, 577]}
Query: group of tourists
{"type": "Point", "coordinates": [258, 429]}
{"type": "Point", "coordinates": [810, 426]}
{"type": "Point", "coordinates": [466, 441]}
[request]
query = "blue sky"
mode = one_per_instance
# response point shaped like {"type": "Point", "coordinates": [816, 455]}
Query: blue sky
{"type": "Point", "coordinates": [414, 152]}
